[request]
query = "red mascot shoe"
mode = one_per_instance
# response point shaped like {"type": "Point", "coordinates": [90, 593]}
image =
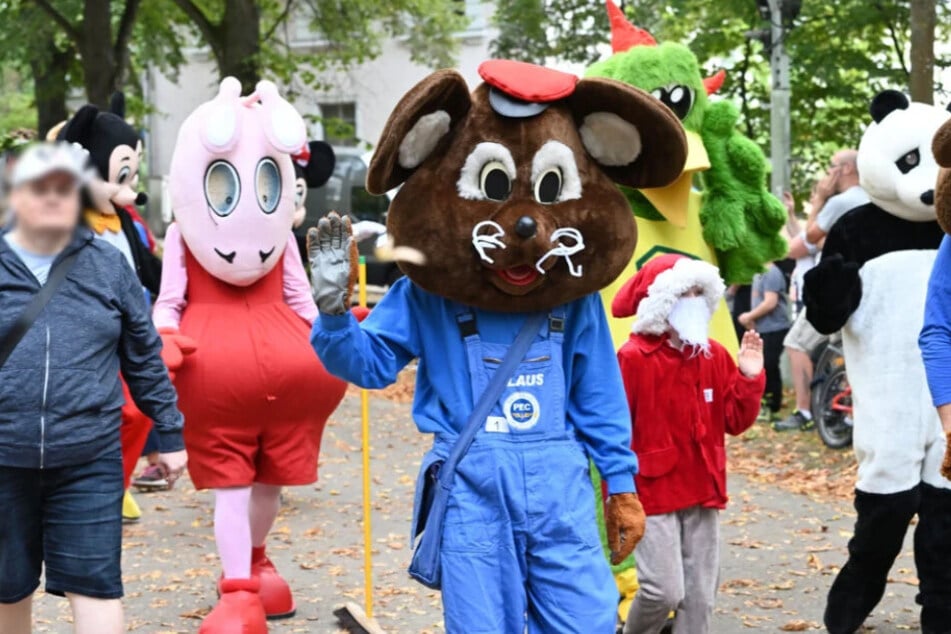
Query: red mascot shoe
{"type": "Point", "coordinates": [275, 593]}
{"type": "Point", "coordinates": [239, 610]}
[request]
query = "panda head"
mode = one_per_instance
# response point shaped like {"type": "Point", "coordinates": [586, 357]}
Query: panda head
{"type": "Point", "coordinates": [896, 165]}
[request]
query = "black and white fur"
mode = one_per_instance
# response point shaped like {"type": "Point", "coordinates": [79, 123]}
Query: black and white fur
{"type": "Point", "coordinates": [871, 284]}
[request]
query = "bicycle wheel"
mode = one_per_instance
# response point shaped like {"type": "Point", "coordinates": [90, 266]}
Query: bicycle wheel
{"type": "Point", "coordinates": [834, 427]}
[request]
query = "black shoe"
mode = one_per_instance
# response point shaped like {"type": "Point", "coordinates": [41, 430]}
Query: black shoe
{"type": "Point", "coordinates": [793, 422]}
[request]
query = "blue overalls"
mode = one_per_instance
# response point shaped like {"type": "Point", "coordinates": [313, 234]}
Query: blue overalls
{"type": "Point", "coordinates": [520, 544]}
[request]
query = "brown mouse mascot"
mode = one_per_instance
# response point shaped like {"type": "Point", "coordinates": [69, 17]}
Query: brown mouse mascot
{"type": "Point", "coordinates": [509, 208]}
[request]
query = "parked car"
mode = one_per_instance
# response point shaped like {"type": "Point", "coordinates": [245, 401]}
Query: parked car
{"type": "Point", "coordinates": [346, 193]}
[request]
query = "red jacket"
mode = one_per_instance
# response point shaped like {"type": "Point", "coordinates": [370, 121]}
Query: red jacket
{"type": "Point", "coordinates": [681, 407]}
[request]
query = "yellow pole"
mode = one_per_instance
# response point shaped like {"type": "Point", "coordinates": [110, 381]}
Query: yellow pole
{"type": "Point", "coordinates": [365, 415]}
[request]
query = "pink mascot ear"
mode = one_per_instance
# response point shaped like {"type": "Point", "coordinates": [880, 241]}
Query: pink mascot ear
{"type": "Point", "coordinates": [283, 126]}
{"type": "Point", "coordinates": [218, 119]}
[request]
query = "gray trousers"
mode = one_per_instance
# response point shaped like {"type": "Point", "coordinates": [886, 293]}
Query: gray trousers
{"type": "Point", "coordinates": [678, 567]}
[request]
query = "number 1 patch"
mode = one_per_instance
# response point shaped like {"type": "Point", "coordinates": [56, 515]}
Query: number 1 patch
{"type": "Point", "coordinates": [708, 395]}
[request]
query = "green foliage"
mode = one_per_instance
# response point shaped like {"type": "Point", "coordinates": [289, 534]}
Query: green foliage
{"type": "Point", "coordinates": [16, 108]}
{"type": "Point", "coordinates": [344, 33]}
{"type": "Point", "coordinates": [843, 53]}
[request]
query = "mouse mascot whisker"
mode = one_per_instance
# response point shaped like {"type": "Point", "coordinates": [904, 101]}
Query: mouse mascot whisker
{"type": "Point", "coordinates": [254, 396]}
{"type": "Point", "coordinates": [509, 193]}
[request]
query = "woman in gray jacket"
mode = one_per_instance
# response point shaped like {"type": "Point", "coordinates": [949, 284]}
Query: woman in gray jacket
{"type": "Point", "coordinates": [60, 400]}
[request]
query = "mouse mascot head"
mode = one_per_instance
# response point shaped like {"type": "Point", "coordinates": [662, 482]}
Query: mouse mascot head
{"type": "Point", "coordinates": [313, 166]}
{"type": "Point", "coordinates": [115, 151]}
{"type": "Point", "coordinates": [232, 181]}
{"type": "Point", "coordinates": [508, 193]}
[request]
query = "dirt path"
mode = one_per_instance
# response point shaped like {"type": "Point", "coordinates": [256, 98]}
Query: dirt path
{"type": "Point", "coordinates": [779, 548]}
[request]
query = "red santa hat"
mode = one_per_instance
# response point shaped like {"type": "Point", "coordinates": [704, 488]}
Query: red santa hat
{"type": "Point", "coordinates": [652, 293]}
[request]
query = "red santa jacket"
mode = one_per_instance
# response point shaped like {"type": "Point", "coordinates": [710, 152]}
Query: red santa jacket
{"type": "Point", "coordinates": [681, 407]}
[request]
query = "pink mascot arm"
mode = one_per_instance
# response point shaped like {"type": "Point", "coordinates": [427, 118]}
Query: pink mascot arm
{"type": "Point", "coordinates": [171, 302]}
{"type": "Point", "coordinates": [297, 293]}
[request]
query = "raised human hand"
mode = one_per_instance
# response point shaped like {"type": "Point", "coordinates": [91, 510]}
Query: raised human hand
{"type": "Point", "coordinates": [624, 520]}
{"type": "Point", "coordinates": [750, 358]}
{"type": "Point", "coordinates": [333, 263]}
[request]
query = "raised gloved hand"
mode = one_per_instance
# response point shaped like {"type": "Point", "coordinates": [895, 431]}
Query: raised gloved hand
{"type": "Point", "coordinates": [624, 519]}
{"type": "Point", "coordinates": [946, 465]}
{"type": "Point", "coordinates": [175, 347]}
{"type": "Point", "coordinates": [333, 263]}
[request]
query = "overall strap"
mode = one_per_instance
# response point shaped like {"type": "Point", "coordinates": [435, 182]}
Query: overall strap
{"type": "Point", "coordinates": [492, 393]}
{"type": "Point", "coordinates": [556, 325]}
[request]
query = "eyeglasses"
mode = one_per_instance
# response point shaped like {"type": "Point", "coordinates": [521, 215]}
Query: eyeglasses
{"type": "Point", "coordinates": [60, 190]}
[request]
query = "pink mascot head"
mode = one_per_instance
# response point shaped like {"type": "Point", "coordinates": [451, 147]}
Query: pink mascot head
{"type": "Point", "coordinates": [232, 181]}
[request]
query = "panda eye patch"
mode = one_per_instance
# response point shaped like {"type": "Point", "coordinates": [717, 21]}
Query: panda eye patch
{"type": "Point", "coordinates": [909, 161]}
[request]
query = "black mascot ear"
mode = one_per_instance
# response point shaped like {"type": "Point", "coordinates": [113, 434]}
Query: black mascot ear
{"type": "Point", "coordinates": [117, 104]}
{"type": "Point", "coordinates": [887, 102]}
{"type": "Point", "coordinates": [321, 164]}
{"type": "Point", "coordinates": [79, 129]}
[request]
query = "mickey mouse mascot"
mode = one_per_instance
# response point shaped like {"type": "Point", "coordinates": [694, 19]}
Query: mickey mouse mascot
{"type": "Point", "coordinates": [509, 199]}
{"type": "Point", "coordinates": [871, 283]}
{"type": "Point", "coordinates": [254, 396]}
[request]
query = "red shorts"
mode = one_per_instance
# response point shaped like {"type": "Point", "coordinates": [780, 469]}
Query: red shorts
{"type": "Point", "coordinates": [241, 453]}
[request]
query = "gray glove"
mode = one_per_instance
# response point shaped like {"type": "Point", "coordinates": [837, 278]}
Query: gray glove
{"type": "Point", "coordinates": [333, 263]}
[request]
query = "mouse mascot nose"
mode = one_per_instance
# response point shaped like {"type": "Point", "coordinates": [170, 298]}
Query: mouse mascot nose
{"type": "Point", "coordinates": [526, 227]}
{"type": "Point", "coordinates": [141, 199]}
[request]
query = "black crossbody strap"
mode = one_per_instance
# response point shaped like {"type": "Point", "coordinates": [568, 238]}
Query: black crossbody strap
{"type": "Point", "coordinates": [25, 321]}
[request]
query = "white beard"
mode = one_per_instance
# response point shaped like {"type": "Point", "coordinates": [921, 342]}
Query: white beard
{"type": "Point", "coordinates": [690, 318]}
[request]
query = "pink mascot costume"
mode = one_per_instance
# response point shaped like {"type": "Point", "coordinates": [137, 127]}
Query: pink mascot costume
{"type": "Point", "coordinates": [254, 395]}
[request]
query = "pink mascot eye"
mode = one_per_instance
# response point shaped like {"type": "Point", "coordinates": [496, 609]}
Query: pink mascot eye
{"type": "Point", "coordinates": [267, 185]}
{"type": "Point", "coordinates": [222, 188]}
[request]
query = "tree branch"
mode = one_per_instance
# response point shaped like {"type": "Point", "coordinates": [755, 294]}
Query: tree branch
{"type": "Point", "coordinates": [208, 29]}
{"type": "Point", "coordinates": [126, 22]}
{"type": "Point", "coordinates": [71, 31]}
{"type": "Point", "coordinates": [899, 49]}
{"type": "Point", "coordinates": [123, 34]}
{"type": "Point", "coordinates": [278, 21]}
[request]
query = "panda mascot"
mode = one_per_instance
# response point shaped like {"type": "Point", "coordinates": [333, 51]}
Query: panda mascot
{"type": "Point", "coordinates": [871, 284]}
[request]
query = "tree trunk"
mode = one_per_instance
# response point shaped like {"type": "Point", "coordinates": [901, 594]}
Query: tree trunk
{"type": "Point", "coordinates": [238, 53]}
{"type": "Point", "coordinates": [50, 87]}
{"type": "Point", "coordinates": [97, 54]}
{"type": "Point", "coordinates": [923, 21]}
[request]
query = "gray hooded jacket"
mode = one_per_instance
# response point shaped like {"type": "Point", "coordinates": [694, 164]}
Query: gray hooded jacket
{"type": "Point", "coordinates": [60, 395]}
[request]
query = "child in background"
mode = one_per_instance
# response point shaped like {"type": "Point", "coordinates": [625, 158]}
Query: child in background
{"type": "Point", "coordinates": [770, 318]}
{"type": "Point", "coordinates": [685, 392]}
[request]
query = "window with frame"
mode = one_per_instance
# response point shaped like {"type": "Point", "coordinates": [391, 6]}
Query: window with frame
{"type": "Point", "coordinates": [340, 123]}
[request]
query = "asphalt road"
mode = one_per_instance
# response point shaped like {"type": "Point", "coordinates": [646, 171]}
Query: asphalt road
{"type": "Point", "coordinates": [779, 549]}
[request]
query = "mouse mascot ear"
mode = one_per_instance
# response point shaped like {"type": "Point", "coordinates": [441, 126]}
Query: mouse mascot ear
{"type": "Point", "coordinates": [635, 139]}
{"type": "Point", "coordinates": [117, 104]}
{"type": "Point", "coordinates": [941, 147]}
{"type": "Point", "coordinates": [418, 128]}
{"type": "Point", "coordinates": [79, 128]}
{"type": "Point", "coordinates": [315, 165]}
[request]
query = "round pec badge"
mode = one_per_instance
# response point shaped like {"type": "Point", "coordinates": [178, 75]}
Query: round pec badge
{"type": "Point", "coordinates": [522, 410]}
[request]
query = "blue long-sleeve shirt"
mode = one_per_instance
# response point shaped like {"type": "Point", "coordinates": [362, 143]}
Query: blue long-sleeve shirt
{"type": "Point", "coordinates": [410, 322]}
{"type": "Point", "coordinates": [935, 338]}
